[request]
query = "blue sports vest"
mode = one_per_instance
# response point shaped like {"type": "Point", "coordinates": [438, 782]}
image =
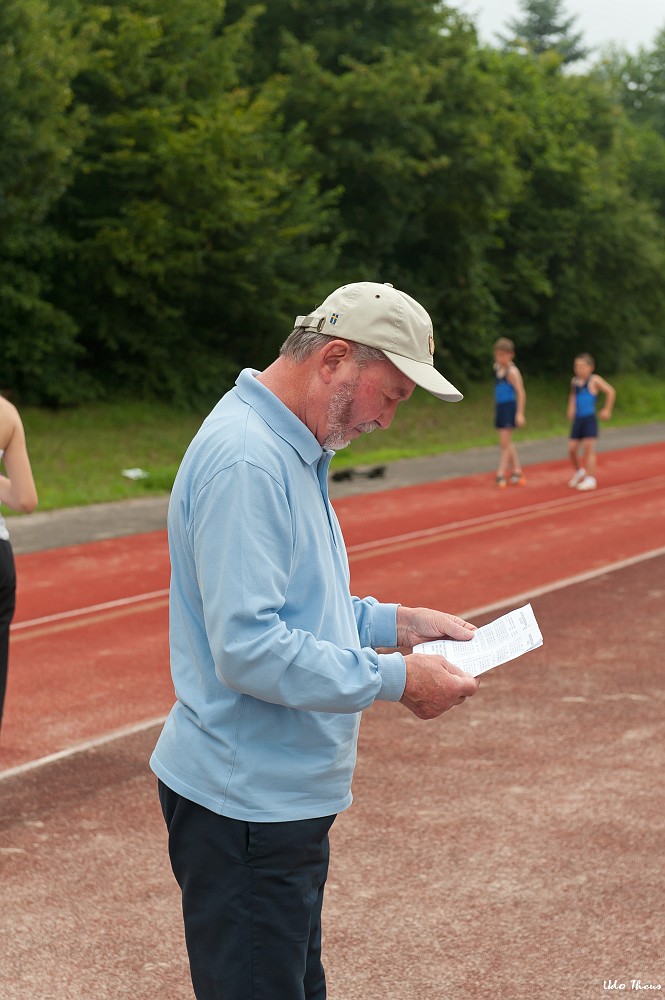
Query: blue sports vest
{"type": "Point", "coordinates": [585, 401]}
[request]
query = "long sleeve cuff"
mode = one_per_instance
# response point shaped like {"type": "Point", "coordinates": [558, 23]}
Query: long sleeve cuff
{"type": "Point", "coordinates": [392, 667]}
{"type": "Point", "coordinates": [384, 625]}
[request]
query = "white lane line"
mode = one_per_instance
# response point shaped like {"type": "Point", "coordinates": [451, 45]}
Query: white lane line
{"type": "Point", "coordinates": [98, 741]}
{"type": "Point", "coordinates": [91, 609]}
{"type": "Point", "coordinates": [516, 599]}
{"type": "Point", "coordinates": [569, 581]}
{"type": "Point", "coordinates": [513, 512]}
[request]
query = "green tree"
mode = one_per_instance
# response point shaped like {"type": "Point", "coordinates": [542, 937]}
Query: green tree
{"type": "Point", "coordinates": [581, 255]}
{"type": "Point", "coordinates": [638, 82]}
{"type": "Point", "coordinates": [40, 131]}
{"type": "Point", "coordinates": [179, 179]}
{"type": "Point", "coordinates": [193, 213]}
{"type": "Point", "coordinates": [338, 31]}
{"type": "Point", "coordinates": [544, 27]}
{"type": "Point", "coordinates": [407, 126]}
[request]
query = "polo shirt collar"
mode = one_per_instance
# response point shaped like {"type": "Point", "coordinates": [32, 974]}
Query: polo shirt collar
{"type": "Point", "coordinates": [278, 417]}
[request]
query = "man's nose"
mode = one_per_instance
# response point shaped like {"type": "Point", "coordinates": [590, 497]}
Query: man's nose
{"type": "Point", "coordinates": [387, 414]}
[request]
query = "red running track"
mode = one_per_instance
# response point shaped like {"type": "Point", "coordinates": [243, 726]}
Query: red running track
{"type": "Point", "coordinates": [89, 654]}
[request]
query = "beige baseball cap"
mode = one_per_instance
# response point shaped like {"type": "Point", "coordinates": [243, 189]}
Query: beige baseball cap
{"type": "Point", "coordinates": [380, 316]}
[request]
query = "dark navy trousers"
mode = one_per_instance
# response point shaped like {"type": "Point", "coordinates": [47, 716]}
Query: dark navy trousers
{"type": "Point", "coordinates": [7, 602]}
{"type": "Point", "coordinates": [251, 897]}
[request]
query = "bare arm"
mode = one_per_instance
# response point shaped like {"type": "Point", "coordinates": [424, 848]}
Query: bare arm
{"type": "Point", "coordinates": [515, 378]}
{"type": "Point", "coordinates": [17, 487]}
{"type": "Point", "coordinates": [570, 412]}
{"type": "Point", "coordinates": [602, 385]}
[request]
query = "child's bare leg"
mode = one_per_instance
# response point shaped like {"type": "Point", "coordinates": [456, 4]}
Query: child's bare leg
{"type": "Point", "coordinates": [515, 459]}
{"type": "Point", "coordinates": [589, 445]}
{"type": "Point", "coordinates": [506, 451]}
{"type": "Point", "coordinates": [573, 453]}
{"type": "Point", "coordinates": [577, 456]}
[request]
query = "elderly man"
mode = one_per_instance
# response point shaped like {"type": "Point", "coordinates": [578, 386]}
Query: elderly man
{"type": "Point", "coordinates": [273, 660]}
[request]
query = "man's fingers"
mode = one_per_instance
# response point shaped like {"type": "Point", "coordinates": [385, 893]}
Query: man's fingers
{"type": "Point", "coordinates": [452, 668]}
{"type": "Point", "coordinates": [433, 685]}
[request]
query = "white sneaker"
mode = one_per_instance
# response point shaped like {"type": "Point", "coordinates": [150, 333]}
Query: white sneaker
{"type": "Point", "coordinates": [577, 478]}
{"type": "Point", "coordinates": [588, 483]}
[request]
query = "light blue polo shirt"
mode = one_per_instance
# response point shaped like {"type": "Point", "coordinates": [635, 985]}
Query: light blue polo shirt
{"type": "Point", "coordinates": [272, 659]}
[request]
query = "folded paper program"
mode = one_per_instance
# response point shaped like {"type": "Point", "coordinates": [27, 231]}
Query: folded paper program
{"type": "Point", "coordinates": [504, 639]}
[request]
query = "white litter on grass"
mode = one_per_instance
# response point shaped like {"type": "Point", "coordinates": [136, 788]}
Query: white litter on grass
{"type": "Point", "coordinates": [135, 474]}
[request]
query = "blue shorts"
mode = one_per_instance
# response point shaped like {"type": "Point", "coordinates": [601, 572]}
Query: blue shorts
{"type": "Point", "coordinates": [504, 414]}
{"type": "Point", "coordinates": [584, 427]}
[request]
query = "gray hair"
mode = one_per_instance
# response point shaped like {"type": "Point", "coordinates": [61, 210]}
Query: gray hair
{"type": "Point", "coordinates": [302, 342]}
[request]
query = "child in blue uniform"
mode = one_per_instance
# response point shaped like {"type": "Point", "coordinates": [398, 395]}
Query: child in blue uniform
{"type": "Point", "coordinates": [584, 388]}
{"type": "Point", "coordinates": [510, 402]}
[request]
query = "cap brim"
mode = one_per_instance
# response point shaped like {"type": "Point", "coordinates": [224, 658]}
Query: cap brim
{"type": "Point", "coordinates": [427, 377]}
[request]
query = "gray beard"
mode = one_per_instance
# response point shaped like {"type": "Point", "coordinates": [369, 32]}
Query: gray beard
{"type": "Point", "coordinates": [339, 414]}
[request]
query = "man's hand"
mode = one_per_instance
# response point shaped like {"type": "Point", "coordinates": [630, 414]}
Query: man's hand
{"type": "Point", "coordinates": [416, 625]}
{"type": "Point", "coordinates": [434, 685]}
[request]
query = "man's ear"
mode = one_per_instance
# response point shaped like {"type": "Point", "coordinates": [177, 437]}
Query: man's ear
{"type": "Point", "coordinates": [336, 355]}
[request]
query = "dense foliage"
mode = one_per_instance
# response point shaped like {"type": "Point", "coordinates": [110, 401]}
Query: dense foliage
{"type": "Point", "coordinates": [544, 27]}
{"type": "Point", "coordinates": [179, 178]}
